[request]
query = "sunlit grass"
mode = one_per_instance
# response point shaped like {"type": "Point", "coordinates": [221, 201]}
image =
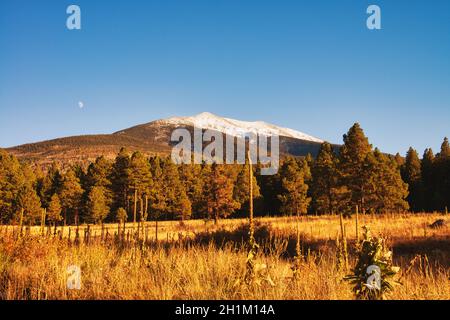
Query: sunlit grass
{"type": "Point", "coordinates": [34, 266]}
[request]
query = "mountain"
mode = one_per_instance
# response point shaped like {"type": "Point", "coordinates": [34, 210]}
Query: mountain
{"type": "Point", "coordinates": [237, 128]}
{"type": "Point", "coordinates": [154, 138]}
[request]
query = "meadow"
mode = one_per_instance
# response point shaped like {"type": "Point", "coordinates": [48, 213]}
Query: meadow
{"type": "Point", "coordinates": [198, 259]}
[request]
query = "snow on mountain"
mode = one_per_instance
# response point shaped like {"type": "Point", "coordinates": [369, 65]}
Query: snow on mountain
{"type": "Point", "coordinates": [206, 120]}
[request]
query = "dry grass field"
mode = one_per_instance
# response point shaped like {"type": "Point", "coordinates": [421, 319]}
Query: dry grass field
{"type": "Point", "coordinates": [199, 260]}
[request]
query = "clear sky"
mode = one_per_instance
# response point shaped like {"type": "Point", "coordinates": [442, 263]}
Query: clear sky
{"type": "Point", "coordinates": [309, 65]}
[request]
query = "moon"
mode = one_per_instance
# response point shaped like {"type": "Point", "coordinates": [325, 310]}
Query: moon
{"type": "Point", "coordinates": [80, 104]}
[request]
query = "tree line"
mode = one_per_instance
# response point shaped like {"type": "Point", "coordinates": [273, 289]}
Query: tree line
{"type": "Point", "coordinates": [428, 179]}
{"type": "Point", "coordinates": [135, 188]}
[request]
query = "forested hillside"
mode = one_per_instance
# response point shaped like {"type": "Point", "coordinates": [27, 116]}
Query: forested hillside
{"type": "Point", "coordinates": [136, 187]}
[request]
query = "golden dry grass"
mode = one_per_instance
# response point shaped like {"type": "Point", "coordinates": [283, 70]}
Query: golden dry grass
{"type": "Point", "coordinates": [209, 261]}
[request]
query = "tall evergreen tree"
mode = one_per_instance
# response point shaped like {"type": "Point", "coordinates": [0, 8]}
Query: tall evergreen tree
{"type": "Point", "coordinates": [204, 210]}
{"type": "Point", "coordinates": [158, 203]}
{"type": "Point", "coordinates": [28, 200]}
{"type": "Point", "coordinates": [54, 210]}
{"type": "Point", "coordinates": [399, 160]}
{"type": "Point", "coordinates": [50, 185]}
{"type": "Point", "coordinates": [218, 193]}
{"type": "Point", "coordinates": [441, 200]}
{"type": "Point", "coordinates": [325, 189]}
{"type": "Point", "coordinates": [387, 191]}
{"type": "Point", "coordinates": [428, 179]}
{"type": "Point", "coordinates": [191, 178]}
{"type": "Point", "coordinates": [177, 203]}
{"type": "Point", "coordinates": [139, 182]}
{"type": "Point", "coordinates": [183, 208]}
{"type": "Point", "coordinates": [17, 190]}
{"type": "Point", "coordinates": [354, 175]}
{"type": "Point", "coordinates": [294, 195]}
{"type": "Point", "coordinates": [242, 186]}
{"type": "Point", "coordinates": [99, 173]}
{"type": "Point", "coordinates": [119, 180]}
{"type": "Point", "coordinates": [412, 170]}
{"type": "Point", "coordinates": [71, 196]}
{"type": "Point", "coordinates": [270, 188]}
{"type": "Point", "coordinates": [9, 168]}
{"type": "Point", "coordinates": [97, 205]}
{"type": "Point", "coordinates": [412, 175]}
{"type": "Point", "coordinates": [445, 149]}
{"type": "Point", "coordinates": [29, 185]}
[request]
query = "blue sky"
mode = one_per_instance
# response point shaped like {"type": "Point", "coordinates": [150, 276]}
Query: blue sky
{"type": "Point", "coordinates": [309, 65]}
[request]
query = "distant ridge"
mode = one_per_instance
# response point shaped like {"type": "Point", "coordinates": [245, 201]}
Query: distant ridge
{"type": "Point", "coordinates": [154, 138]}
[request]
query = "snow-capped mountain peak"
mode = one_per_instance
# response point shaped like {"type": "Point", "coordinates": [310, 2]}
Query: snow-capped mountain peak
{"type": "Point", "coordinates": [207, 120]}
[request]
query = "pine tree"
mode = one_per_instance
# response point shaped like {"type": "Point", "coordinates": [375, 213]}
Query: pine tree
{"type": "Point", "coordinates": [325, 188]}
{"type": "Point", "coordinates": [184, 206]}
{"type": "Point", "coordinates": [119, 179]}
{"type": "Point", "coordinates": [71, 195]}
{"type": "Point", "coordinates": [139, 182]}
{"type": "Point", "coordinates": [441, 168]}
{"type": "Point", "coordinates": [177, 204]}
{"type": "Point", "coordinates": [158, 203]}
{"type": "Point", "coordinates": [294, 194]}
{"type": "Point", "coordinates": [29, 201]}
{"type": "Point", "coordinates": [445, 149]}
{"type": "Point", "coordinates": [50, 185]}
{"type": "Point", "coordinates": [99, 173]}
{"type": "Point", "coordinates": [204, 208]}
{"type": "Point", "coordinates": [387, 191]}
{"type": "Point", "coordinates": [54, 210]}
{"type": "Point", "coordinates": [9, 169]}
{"type": "Point", "coordinates": [412, 175]}
{"type": "Point", "coordinates": [399, 160]}
{"type": "Point", "coordinates": [219, 193]}
{"type": "Point", "coordinates": [191, 178]}
{"type": "Point", "coordinates": [97, 205]}
{"type": "Point", "coordinates": [270, 188]}
{"type": "Point", "coordinates": [309, 160]}
{"type": "Point", "coordinates": [17, 190]}
{"type": "Point", "coordinates": [428, 179]}
{"type": "Point", "coordinates": [80, 173]}
{"type": "Point", "coordinates": [241, 187]}
{"type": "Point", "coordinates": [354, 175]}
{"type": "Point", "coordinates": [411, 169]}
